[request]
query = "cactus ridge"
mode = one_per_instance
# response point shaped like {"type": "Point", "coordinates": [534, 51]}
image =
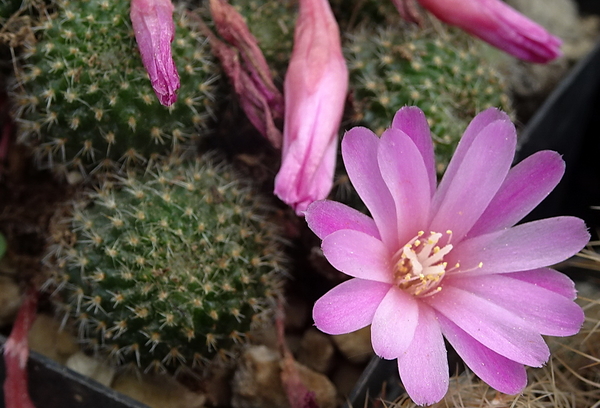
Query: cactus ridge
{"type": "Point", "coordinates": [84, 101]}
{"type": "Point", "coordinates": [171, 268]}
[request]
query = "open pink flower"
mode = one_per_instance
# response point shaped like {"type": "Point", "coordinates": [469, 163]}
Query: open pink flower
{"type": "Point", "coordinates": [498, 24]}
{"type": "Point", "coordinates": [315, 89]}
{"type": "Point", "coordinates": [154, 30]}
{"type": "Point", "coordinates": [448, 261]}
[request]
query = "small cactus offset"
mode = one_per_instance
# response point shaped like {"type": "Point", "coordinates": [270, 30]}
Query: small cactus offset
{"type": "Point", "coordinates": [438, 69]}
{"type": "Point", "coordinates": [169, 269]}
{"type": "Point", "coordinates": [83, 99]}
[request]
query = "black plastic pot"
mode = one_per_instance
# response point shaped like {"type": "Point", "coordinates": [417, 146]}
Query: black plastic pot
{"type": "Point", "coordinates": [569, 123]}
{"type": "Point", "coordinates": [52, 385]}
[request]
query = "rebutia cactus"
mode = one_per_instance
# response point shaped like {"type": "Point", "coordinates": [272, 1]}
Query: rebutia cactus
{"type": "Point", "coordinates": [170, 268]}
{"type": "Point", "coordinates": [83, 98]}
{"type": "Point", "coordinates": [437, 69]}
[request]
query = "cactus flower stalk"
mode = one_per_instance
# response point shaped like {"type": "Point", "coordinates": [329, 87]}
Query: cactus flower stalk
{"type": "Point", "coordinates": [496, 23]}
{"type": "Point", "coordinates": [154, 29]}
{"type": "Point", "coordinates": [315, 91]}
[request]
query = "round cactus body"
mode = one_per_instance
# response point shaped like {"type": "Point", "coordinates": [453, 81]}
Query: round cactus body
{"type": "Point", "coordinates": [437, 69]}
{"type": "Point", "coordinates": [170, 268]}
{"type": "Point", "coordinates": [83, 98]}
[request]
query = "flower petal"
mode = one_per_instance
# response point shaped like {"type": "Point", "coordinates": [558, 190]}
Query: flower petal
{"type": "Point", "coordinates": [412, 121]}
{"type": "Point", "coordinates": [527, 246]}
{"type": "Point", "coordinates": [526, 185]}
{"type": "Point", "coordinates": [423, 366]}
{"type": "Point", "coordinates": [394, 324]}
{"type": "Point", "coordinates": [491, 325]}
{"type": "Point", "coordinates": [349, 306]}
{"type": "Point", "coordinates": [358, 255]}
{"type": "Point", "coordinates": [404, 172]}
{"type": "Point", "coordinates": [326, 217]}
{"type": "Point", "coordinates": [549, 279]}
{"type": "Point", "coordinates": [359, 150]}
{"type": "Point", "coordinates": [546, 312]}
{"type": "Point", "coordinates": [478, 123]}
{"type": "Point", "coordinates": [475, 182]}
{"type": "Point", "coordinates": [504, 375]}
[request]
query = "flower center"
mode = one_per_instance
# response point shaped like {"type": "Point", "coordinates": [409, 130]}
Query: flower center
{"type": "Point", "coordinates": [420, 265]}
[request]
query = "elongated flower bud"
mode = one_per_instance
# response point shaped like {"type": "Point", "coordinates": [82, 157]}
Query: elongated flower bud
{"type": "Point", "coordinates": [154, 29]}
{"type": "Point", "coordinates": [498, 24]}
{"type": "Point", "coordinates": [315, 91]}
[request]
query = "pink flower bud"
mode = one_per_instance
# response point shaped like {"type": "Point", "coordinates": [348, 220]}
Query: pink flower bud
{"type": "Point", "coordinates": [315, 91]}
{"type": "Point", "coordinates": [247, 69]}
{"type": "Point", "coordinates": [498, 24]}
{"type": "Point", "coordinates": [154, 30]}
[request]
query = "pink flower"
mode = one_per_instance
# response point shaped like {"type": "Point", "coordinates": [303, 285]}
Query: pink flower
{"type": "Point", "coordinates": [154, 30]}
{"type": "Point", "coordinates": [449, 262]}
{"type": "Point", "coordinates": [315, 91]}
{"type": "Point", "coordinates": [498, 24]}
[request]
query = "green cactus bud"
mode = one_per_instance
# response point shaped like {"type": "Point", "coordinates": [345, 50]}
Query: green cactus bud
{"type": "Point", "coordinates": [171, 268]}
{"type": "Point", "coordinates": [83, 98]}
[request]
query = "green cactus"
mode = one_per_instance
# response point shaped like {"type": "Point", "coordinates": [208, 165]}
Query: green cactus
{"type": "Point", "coordinates": [83, 98]}
{"type": "Point", "coordinates": [438, 69]}
{"type": "Point", "coordinates": [170, 268]}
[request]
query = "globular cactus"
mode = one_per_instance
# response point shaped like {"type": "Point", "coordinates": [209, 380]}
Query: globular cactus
{"type": "Point", "coordinates": [438, 69]}
{"type": "Point", "coordinates": [83, 99]}
{"type": "Point", "coordinates": [171, 268]}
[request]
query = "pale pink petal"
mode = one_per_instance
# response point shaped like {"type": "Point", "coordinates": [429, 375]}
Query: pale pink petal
{"type": "Point", "coordinates": [498, 24]}
{"type": "Point", "coordinates": [412, 121]}
{"type": "Point", "coordinates": [154, 30]}
{"type": "Point", "coordinates": [394, 324]}
{"type": "Point", "coordinates": [545, 311]}
{"type": "Point", "coordinates": [491, 325]}
{"type": "Point", "coordinates": [315, 87]}
{"type": "Point", "coordinates": [358, 255]}
{"type": "Point", "coordinates": [518, 35]}
{"type": "Point", "coordinates": [499, 372]}
{"type": "Point", "coordinates": [423, 366]}
{"type": "Point", "coordinates": [326, 217]}
{"type": "Point", "coordinates": [349, 306]}
{"type": "Point", "coordinates": [526, 185]}
{"type": "Point", "coordinates": [359, 150]}
{"type": "Point", "coordinates": [528, 246]}
{"type": "Point", "coordinates": [307, 167]}
{"type": "Point", "coordinates": [404, 172]}
{"type": "Point", "coordinates": [474, 184]}
{"type": "Point", "coordinates": [481, 121]}
{"type": "Point", "coordinates": [549, 279]}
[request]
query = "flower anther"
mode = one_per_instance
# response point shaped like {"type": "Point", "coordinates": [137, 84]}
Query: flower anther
{"type": "Point", "coordinates": [420, 265]}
